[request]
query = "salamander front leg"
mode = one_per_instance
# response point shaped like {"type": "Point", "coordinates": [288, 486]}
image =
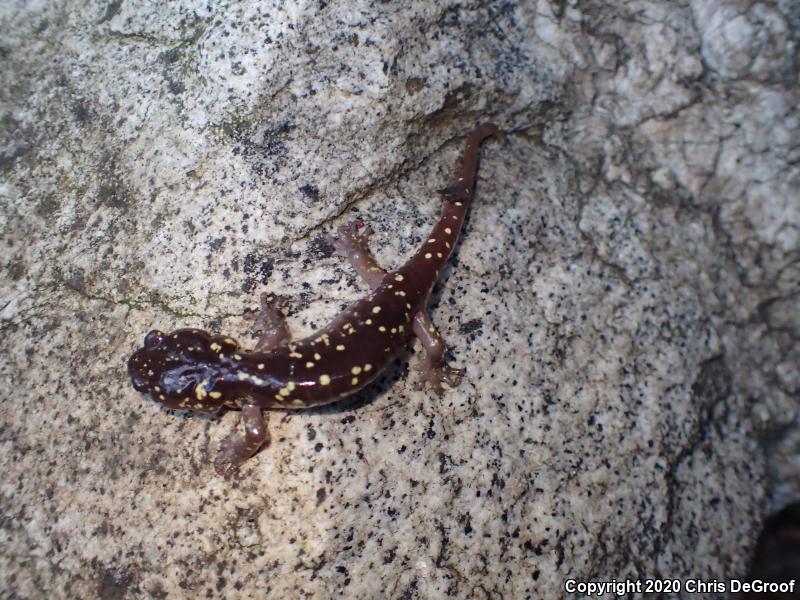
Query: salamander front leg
{"type": "Point", "coordinates": [271, 323]}
{"type": "Point", "coordinates": [235, 449]}
{"type": "Point", "coordinates": [433, 369]}
{"type": "Point", "coordinates": [352, 245]}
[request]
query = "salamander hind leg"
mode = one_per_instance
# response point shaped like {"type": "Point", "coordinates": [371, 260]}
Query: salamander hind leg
{"type": "Point", "coordinates": [235, 449]}
{"type": "Point", "coordinates": [271, 323]}
{"type": "Point", "coordinates": [433, 369]}
{"type": "Point", "coordinates": [352, 245]}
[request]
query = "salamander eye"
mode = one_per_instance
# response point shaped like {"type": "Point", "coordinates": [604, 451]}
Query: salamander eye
{"type": "Point", "coordinates": [153, 339]}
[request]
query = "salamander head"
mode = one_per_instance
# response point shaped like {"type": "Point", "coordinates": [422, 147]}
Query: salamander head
{"type": "Point", "coordinates": [181, 369]}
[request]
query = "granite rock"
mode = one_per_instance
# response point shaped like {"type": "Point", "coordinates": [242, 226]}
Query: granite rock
{"type": "Point", "coordinates": [624, 298]}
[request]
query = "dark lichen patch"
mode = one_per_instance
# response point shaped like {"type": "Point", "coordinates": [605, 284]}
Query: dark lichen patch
{"type": "Point", "coordinates": [170, 56]}
{"type": "Point", "coordinates": [260, 147]}
{"type": "Point", "coordinates": [81, 111]}
{"type": "Point", "coordinates": [310, 191]}
{"type": "Point", "coordinates": [343, 38]}
{"type": "Point", "coordinates": [236, 130]}
{"type": "Point", "coordinates": [16, 269]}
{"type": "Point", "coordinates": [7, 122]}
{"type": "Point", "coordinates": [176, 86]}
{"type": "Point", "coordinates": [216, 243]}
{"type": "Point", "coordinates": [111, 190]}
{"type": "Point", "coordinates": [272, 143]}
{"type": "Point", "coordinates": [41, 27]}
{"type": "Point", "coordinates": [320, 247]}
{"type": "Point", "coordinates": [171, 73]}
{"type": "Point", "coordinates": [258, 268]}
{"type": "Point", "coordinates": [46, 206]}
{"type": "Point", "coordinates": [471, 326]}
{"type": "Point", "coordinates": [112, 9]}
{"type": "Point", "coordinates": [9, 155]}
{"type": "Point", "coordinates": [109, 194]}
{"type": "Point", "coordinates": [113, 583]}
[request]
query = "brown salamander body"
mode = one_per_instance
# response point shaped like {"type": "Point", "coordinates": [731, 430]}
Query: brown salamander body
{"type": "Point", "coordinates": [192, 369]}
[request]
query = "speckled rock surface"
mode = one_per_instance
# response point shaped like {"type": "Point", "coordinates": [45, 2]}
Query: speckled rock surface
{"type": "Point", "coordinates": [624, 299]}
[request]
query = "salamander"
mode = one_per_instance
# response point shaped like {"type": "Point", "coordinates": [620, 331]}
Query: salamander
{"type": "Point", "coordinates": [195, 370]}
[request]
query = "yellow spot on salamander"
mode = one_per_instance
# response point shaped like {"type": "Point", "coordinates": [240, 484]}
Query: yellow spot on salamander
{"type": "Point", "coordinates": [294, 354]}
{"type": "Point", "coordinates": [156, 388]}
{"type": "Point", "coordinates": [215, 347]}
{"type": "Point", "coordinates": [376, 310]}
{"type": "Point", "coordinates": [355, 370]}
{"type": "Point", "coordinates": [367, 368]}
{"type": "Point", "coordinates": [317, 356]}
{"type": "Point", "coordinates": [459, 204]}
{"type": "Point", "coordinates": [398, 277]}
{"type": "Point", "coordinates": [393, 329]}
{"type": "Point", "coordinates": [408, 306]}
{"type": "Point", "coordinates": [431, 328]}
{"type": "Point", "coordinates": [309, 364]}
{"type": "Point", "coordinates": [381, 328]}
{"type": "Point", "coordinates": [324, 379]}
{"type": "Point", "coordinates": [321, 338]}
{"type": "Point", "coordinates": [200, 390]}
{"type": "Point", "coordinates": [290, 386]}
{"type": "Point", "coordinates": [243, 376]}
{"type": "Point", "coordinates": [368, 321]}
{"type": "Point", "coordinates": [260, 366]}
{"type": "Point", "coordinates": [237, 356]}
{"type": "Point", "coordinates": [340, 347]}
{"type": "Point", "coordinates": [428, 255]}
{"type": "Point", "coordinates": [447, 245]}
{"type": "Point", "coordinates": [438, 255]}
{"type": "Point", "coordinates": [284, 392]}
{"type": "Point", "coordinates": [400, 328]}
{"type": "Point", "coordinates": [230, 341]}
{"type": "Point", "coordinates": [448, 231]}
{"type": "Point", "coordinates": [399, 293]}
{"type": "Point", "coordinates": [432, 241]}
{"type": "Point", "coordinates": [297, 402]}
{"type": "Point", "coordinates": [215, 395]}
{"type": "Point", "coordinates": [354, 381]}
